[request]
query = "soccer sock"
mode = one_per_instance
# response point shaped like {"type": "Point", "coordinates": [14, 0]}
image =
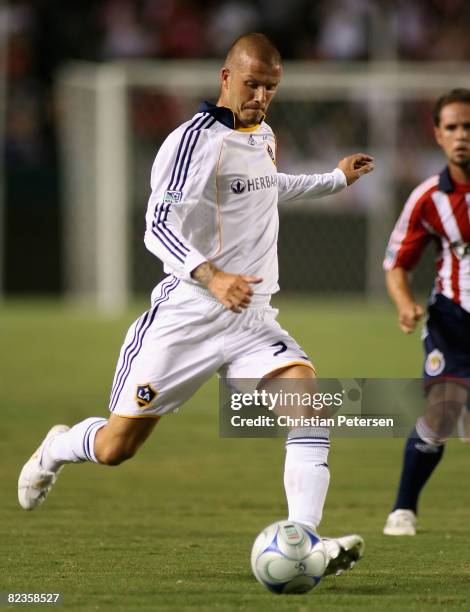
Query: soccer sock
{"type": "Point", "coordinates": [73, 446]}
{"type": "Point", "coordinates": [420, 460]}
{"type": "Point", "coordinates": [306, 474]}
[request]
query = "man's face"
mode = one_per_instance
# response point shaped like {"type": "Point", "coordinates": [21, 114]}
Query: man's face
{"type": "Point", "coordinates": [248, 88]}
{"type": "Point", "coordinates": [453, 133]}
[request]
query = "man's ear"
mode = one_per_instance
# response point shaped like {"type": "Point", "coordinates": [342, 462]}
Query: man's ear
{"type": "Point", "coordinates": [224, 77]}
{"type": "Point", "coordinates": [437, 135]}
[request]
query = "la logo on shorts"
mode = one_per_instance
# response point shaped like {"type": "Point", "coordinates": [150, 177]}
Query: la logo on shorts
{"type": "Point", "coordinates": [145, 395]}
{"type": "Point", "coordinates": [435, 363]}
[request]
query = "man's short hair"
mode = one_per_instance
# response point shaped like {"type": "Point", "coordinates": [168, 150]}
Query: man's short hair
{"type": "Point", "coordinates": [257, 44]}
{"type": "Point", "coordinates": [454, 95]}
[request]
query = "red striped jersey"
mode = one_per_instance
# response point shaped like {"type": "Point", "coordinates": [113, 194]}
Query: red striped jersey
{"type": "Point", "coordinates": [438, 210]}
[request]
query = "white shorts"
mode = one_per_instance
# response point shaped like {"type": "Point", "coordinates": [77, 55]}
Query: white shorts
{"type": "Point", "coordinates": [185, 338]}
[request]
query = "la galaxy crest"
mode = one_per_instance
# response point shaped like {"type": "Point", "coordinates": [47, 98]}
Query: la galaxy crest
{"type": "Point", "coordinates": [271, 153]}
{"type": "Point", "coordinates": [144, 395]}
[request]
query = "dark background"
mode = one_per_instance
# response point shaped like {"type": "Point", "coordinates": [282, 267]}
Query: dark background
{"type": "Point", "coordinates": [39, 37]}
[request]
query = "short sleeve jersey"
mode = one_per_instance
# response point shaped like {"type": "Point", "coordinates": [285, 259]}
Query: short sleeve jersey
{"type": "Point", "coordinates": [437, 211]}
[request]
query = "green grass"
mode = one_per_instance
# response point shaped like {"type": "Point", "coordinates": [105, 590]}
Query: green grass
{"type": "Point", "coordinates": [172, 529]}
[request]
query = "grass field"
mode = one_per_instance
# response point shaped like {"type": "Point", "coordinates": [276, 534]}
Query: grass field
{"type": "Point", "coordinates": [172, 529]}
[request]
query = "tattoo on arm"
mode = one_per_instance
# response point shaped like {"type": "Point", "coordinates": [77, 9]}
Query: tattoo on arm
{"type": "Point", "coordinates": [204, 273]}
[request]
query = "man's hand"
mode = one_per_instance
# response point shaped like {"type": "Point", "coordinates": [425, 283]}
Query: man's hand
{"type": "Point", "coordinates": [232, 290]}
{"type": "Point", "coordinates": [354, 166]}
{"type": "Point", "coordinates": [408, 316]}
{"type": "Point", "coordinates": [399, 288]}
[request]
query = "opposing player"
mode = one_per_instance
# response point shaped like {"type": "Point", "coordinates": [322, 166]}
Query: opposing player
{"type": "Point", "coordinates": [212, 219]}
{"type": "Point", "coordinates": [437, 211]}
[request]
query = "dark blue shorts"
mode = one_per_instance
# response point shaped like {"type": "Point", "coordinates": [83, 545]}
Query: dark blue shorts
{"type": "Point", "coordinates": [446, 339]}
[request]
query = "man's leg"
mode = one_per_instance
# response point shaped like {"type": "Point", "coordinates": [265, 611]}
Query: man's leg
{"type": "Point", "coordinates": [306, 475]}
{"type": "Point", "coordinates": [423, 452]}
{"type": "Point", "coordinates": [95, 439]}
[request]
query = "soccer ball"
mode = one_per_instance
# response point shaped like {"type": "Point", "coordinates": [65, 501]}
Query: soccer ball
{"type": "Point", "coordinates": [288, 557]}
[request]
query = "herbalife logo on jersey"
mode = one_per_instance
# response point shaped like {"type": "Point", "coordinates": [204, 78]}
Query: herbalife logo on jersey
{"type": "Point", "coordinates": [239, 185]}
{"type": "Point", "coordinates": [262, 182]}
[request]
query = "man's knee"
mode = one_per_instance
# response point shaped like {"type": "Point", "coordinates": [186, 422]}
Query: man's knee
{"type": "Point", "coordinates": [445, 402]}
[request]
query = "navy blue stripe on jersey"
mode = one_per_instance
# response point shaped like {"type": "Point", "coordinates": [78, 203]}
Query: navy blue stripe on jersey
{"type": "Point", "coordinates": [179, 175]}
{"type": "Point", "coordinates": [164, 233]}
{"type": "Point", "coordinates": [193, 135]}
{"type": "Point", "coordinates": [190, 146]}
{"type": "Point", "coordinates": [196, 123]}
{"type": "Point", "coordinates": [165, 295]}
{"type": "Point", "coordinates": [190, 132]}
{"type": "Point", "coordinates": [183, 246]}
{"type": "Point", "coordinates": [158, 233]}
{"type": "Point", "coordinates": [180, 146]}
{"type": "Point", "coordinates": [140, 324]}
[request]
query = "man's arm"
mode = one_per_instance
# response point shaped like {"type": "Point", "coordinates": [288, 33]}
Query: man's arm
{"type": "Point", "coordinates": [178, 178]}
{"type": "Point", "coordinates": [407, 242]}
{"type": "Point", "coordinates": [307, 186]}
{"type": "Point", "coordinates": [232, 290]}
{"type": "Point", "coordinates": [399, 289]}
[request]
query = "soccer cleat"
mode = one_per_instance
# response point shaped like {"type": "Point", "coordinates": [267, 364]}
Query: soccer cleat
{"type": "Point", "coordinates": [35, 482]}
{"type": "Point", "coordinates": [401, 522]}
{"type": "Point", "coordinates": [343, 553]}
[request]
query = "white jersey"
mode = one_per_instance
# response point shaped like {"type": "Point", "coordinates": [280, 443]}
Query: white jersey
{"type": "Point", "coordinates": [215, 192]}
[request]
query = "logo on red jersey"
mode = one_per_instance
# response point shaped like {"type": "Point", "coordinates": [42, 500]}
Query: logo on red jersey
{"type": "Point", "coordinates": [460, 248]}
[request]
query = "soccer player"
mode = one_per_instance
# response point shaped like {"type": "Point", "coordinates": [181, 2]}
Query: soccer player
{"type": "Point", "coordinates": [436, 211]}
{"type": "Point", "coordinates": [212, 219]}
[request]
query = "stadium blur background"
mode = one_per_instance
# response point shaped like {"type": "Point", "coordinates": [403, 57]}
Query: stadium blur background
{"type": "Point", "coordinates": [324, 248]}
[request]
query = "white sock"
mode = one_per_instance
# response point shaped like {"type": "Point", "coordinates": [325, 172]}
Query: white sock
{"type": "Point", "coordinates": [306, 474]}
{"type": "Point", "coordinates": [73, 446]}
{"type": "Point", "coordinates": [427, 434]}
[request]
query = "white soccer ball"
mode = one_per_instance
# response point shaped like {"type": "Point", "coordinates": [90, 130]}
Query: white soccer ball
{"type": "Point", "coordinates": [288, 557]}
